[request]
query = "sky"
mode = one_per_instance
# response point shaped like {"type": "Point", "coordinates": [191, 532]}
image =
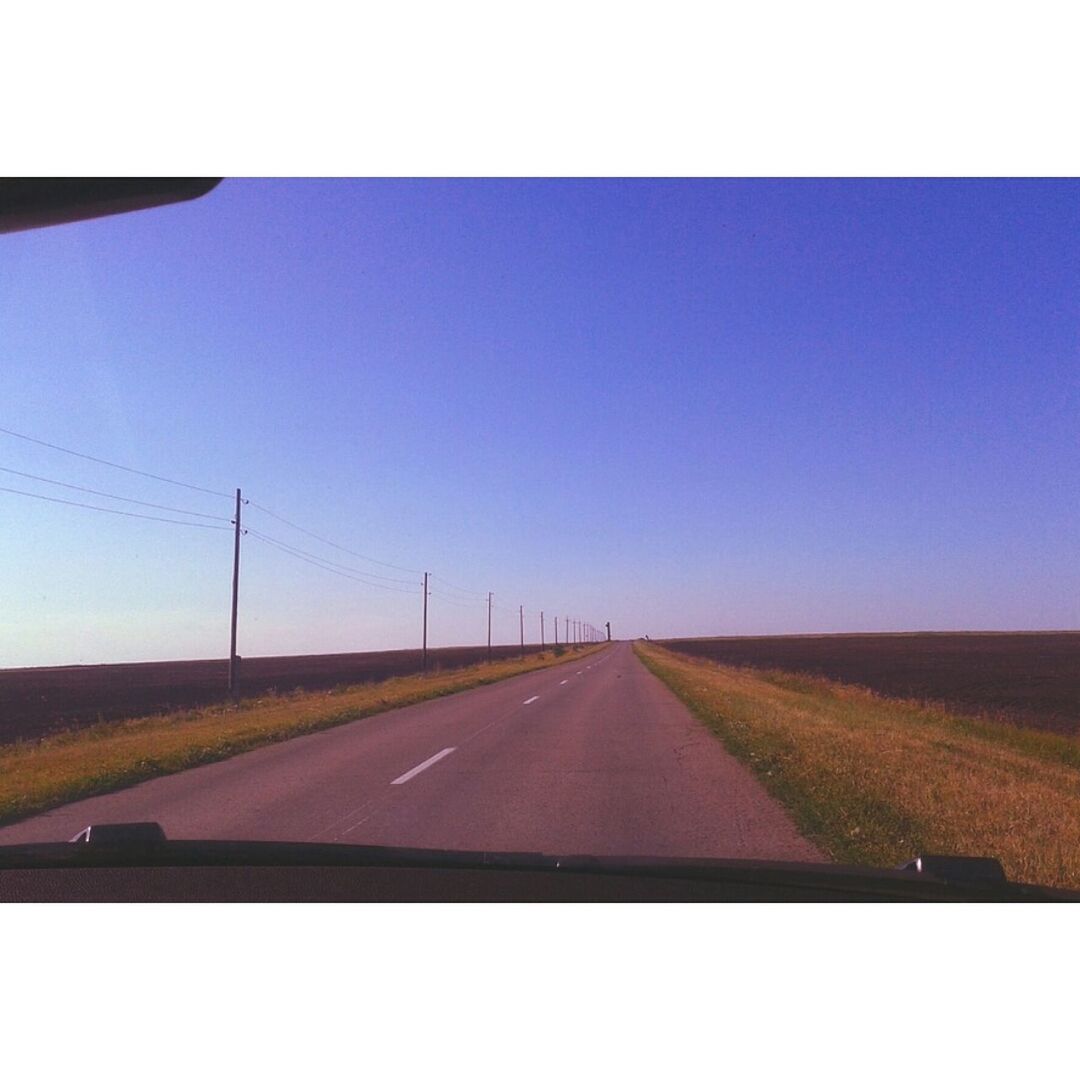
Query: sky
{"type": "Point", "coordinates": [688, 407]}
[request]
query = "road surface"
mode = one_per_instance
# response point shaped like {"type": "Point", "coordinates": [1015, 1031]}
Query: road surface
{"type": "Point", "coordinates": [594, 757]}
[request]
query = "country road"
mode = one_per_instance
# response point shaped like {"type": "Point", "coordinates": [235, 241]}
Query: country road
{"type": "Point", "coordinates": [594, 757]}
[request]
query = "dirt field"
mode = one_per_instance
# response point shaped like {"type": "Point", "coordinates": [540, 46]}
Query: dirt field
{"type": "Point", "coordinates": [36, 701]}
{"type": "Point", "coordinates": [1032, 679]}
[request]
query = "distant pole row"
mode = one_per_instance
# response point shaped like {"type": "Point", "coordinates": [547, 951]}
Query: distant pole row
{"type": "Point", "coordinates": [575, 631]}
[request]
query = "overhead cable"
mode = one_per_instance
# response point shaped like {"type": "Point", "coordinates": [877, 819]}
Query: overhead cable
{"type": "Point", "coordinates": [109, 495]}
{"type": "Point", "coordinates": [331, 543]}
{"type": "Point", "coordinates": [113, 464]}
{"type": "Point", "coordinates": [107, 510]}
{"type": "Point", "coordinates": [320, 558]}
{"type": "Point", "coordinates": [458, 588]}
{"type": "Point", "coordinates": [323, 564]}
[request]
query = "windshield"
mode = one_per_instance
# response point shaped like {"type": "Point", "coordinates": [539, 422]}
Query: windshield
{"type": "Point", "coordinates": [712, 519]}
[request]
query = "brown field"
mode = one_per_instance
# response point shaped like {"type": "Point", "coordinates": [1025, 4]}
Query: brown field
{"type": "Point", "coordinates": [1030, 679]}
{"type": "Point", "coordinates": [39, 701]}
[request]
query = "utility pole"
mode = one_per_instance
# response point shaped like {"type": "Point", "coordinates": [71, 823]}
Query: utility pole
{"type": "Point", "coordinates": [521, 620]}
{"type": "Point", "coordinates": [489, 626]}
{"type": "Point", "coordinates": [541, 631]}
{"type": "Point", "coordinates": [233, 672]}
{"type": "Point", "coordinates": [556, 629]}
{"type": "Point", "coordinates": [608, 625]}
{"type": "Point", "coordinates": [424, 663]}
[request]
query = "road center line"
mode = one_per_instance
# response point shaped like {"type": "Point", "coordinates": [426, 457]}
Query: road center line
{"type": "Point", "coordinates": [535, 697]}
{"type": "Point", "coordinates": [564, 682]}
{"type": "Point", "coordinates": [404, 778]}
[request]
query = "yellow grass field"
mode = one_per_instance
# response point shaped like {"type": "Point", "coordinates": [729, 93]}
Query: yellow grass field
{"type": "Point", "coordinates": [40, 775]}
{"type": "Point", "coordinates": [875, 781]}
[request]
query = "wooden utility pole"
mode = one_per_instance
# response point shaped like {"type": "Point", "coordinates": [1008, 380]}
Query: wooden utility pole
{"type": "Point", "coordinates": [424, 663]}
{"type": "Point", "coordinates": [541, 631]}
{"type": "Point", "coordinates": [489, 626]}
{"type": "Point", "coordinates": [233, 672]}
{"type": "Point", "coordinates": [608, 625]}
{"type": "Point", "coordinates": [521, 620]}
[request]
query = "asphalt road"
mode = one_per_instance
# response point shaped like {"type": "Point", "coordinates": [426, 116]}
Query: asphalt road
{"type": "Point", "coordinates": [595, 757]}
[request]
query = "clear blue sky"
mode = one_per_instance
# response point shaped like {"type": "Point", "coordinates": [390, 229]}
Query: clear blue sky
{"type": "Point", "coordinates": [689, 407]}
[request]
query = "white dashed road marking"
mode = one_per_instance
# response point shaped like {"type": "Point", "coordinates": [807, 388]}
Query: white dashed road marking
{"type": "Point", "coordinates": [535, 697]}
{"type": "Point", "coordinates": [404, 778]}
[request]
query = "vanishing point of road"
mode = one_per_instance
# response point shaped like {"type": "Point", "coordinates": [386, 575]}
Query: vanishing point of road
{"type": "Point", "coordinates": [591, 757]}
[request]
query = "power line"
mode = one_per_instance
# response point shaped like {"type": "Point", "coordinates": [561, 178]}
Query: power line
{"type": "Point", "coordinates": [323, 540]}
{"type": "Point", "coordinates": [458, 588]}
{"type": "Point", "coordinates": [322, 566]}
{"type": "Point", "coordinates": [325, 564]}
{"type": "Point", "coordinates": [330, 562]}
{"type": "Point", "coordinates": [456, 601]}
{"type": "Point", "coordinates": [106, 510]}
{"type": "Point", "coordinates": [113, 464]}
{"type": "Point", "coordinates": [109, 495]}
{"type": "Point", "coordinates": [362, 576]}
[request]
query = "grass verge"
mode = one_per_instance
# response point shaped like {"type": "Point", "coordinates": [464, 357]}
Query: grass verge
{"type": "Point", "coordinates": [74, 765]}
{"type": "Point", "coordinates": [875, 780]}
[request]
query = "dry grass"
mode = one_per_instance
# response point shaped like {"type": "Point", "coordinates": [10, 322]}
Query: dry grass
{"type": "Point", "coordinates": [40, 775]}
{"type": "Point", "coordinates": [874, 780]}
